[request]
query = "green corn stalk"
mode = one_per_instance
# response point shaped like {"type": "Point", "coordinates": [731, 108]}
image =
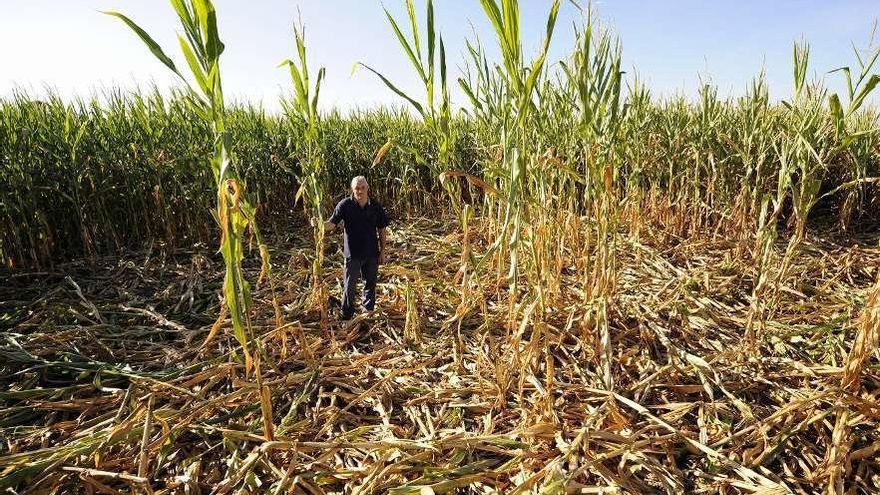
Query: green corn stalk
{"type": "Point", "coordinates": [303, 108]}
{"type": "Point", "coordinates": [817, 141]}
{"type": "Point", "coordinates": [813, 139]}
{"type": "Point", "coordinates": [201, 47]}
{"type": "Point", "coordinates": [429, 63]}
{"type": "Point", "coordinates": [437, 118]}
{"type": "Point", "coordinates": [521, 83]}
{"type": "Point", "coordinates": [795, 160]}
{"type": "Point", "coordinates": [594, 80]}
{"type": "Point", "coordinates": [856, 132]}
{"type": "Point", "coordinates": [751, 137]}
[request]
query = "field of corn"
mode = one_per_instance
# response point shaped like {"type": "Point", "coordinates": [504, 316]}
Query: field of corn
{"type": "Point", "coordinates": [623, 294]}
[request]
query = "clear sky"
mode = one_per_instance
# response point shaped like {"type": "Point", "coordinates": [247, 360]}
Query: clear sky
{"type": "Point", "coordinates": [69, 45]}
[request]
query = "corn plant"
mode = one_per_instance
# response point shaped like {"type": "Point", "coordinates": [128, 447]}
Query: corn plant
{"type": "Point", "coordinates": [202, 47]}
{"type": "Point", "coordinates": [855, 131]}
{"type": "Point", "coordinates": [751, 139]}
{"type": "Point", "coordinates": [518, 156]}
{"type": "Point", "coordinates": [429, 62]}
{"type": "Point", "coordinates": [594, 80]}
{"type": "Point", "coordinates": [303, 109]}
{"type": "Point", "coordinates": [799, 169]}
{"type": "Point", "coordinates": [816, 136]}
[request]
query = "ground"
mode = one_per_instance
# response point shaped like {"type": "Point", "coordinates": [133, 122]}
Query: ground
{"type": "Point", "coordinates": [106, 385]}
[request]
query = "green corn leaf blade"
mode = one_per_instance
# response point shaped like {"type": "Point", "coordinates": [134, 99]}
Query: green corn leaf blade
{"type": "Point", "coordinates": [190, 26]}
{"type": "Point", "coordinates": [321, 74]}
{"type": "Point", "coordinates": [246, 295]}
{"type": "Point", "coordinates": [183, 12]}
{"type": "Point", "coordinates": [510, 11]}
{"type": "Point", "coordinates": [204, 9]}
{"type": "Point", "coordinates": [147, 39]}
{"type": "Point", "coordinates": [432, 37]}
{"type": "Point", "coordinates": [493, 12]}
{"type": "Point", "coordinates": [866, 68]}
{"type": "Point", "coordinates": [406, 46]}
{"type": "Point", "coordinates": [221, 162]}
{"type": "Point", "coordinates": [538, 64]}
{"type": "Point", "coordinates": [235, 311]}
{"type": "Point", "coordinates": [214, 46]}
{"type": "Point", "coordinates": [303, 65]}
{"type": "Point", "coordinates": [300, 90]}
{"type": "Point", "coordinates": [414, 26]}
{"type": "Point", "coordinates": [443, 85]}
{"type": "Point", "coordinates": [513, 273]}
{"type": "Point", "coordinates": [858, 55]}
{"type": "Point", "coordinates": [836, 112]}
{"type": "Point", "coordinates": [239, 224]}
{"type": "Point", "coordinates": [849, 84]}
{"type": "Point", "coordinates": [213, 82]}
{"type": "Point", "coordinates": [198, 104]}
{"type": "Point", "coordinates": [230, 285]}
{"type": "Point", "coordinates": [194, 65]}
{"type": "Point", "coordinates": [207, 32]}
{"type": "Point", "coordinates": [299, 193]}
{"type": "Point", "coordinates": [394, 88]}
{"type": "Point", "coordinates": [801, 62]}
{"type": "Point", "coordinates": [466, 88]}
{"type": "Point", "coordinates": [863, 93]}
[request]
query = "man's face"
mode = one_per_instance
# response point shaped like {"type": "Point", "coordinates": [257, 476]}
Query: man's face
{"type": "Point", "coordinates": [359, 190]}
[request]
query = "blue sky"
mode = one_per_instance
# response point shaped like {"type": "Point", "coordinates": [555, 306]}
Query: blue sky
{"type": "Point", "coordinates": [70, 46]}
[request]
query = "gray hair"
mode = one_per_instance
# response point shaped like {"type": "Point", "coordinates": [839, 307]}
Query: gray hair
{"type": "Point", "coordinates": [358, 179]}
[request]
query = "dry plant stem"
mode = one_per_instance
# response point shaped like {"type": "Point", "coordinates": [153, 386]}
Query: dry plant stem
{"type": "Point", "coordinates": [866, 342]}
{"type": "Point", "coordinates": [143, 464]}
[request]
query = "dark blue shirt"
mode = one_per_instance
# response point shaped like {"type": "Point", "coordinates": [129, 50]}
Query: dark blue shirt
{"type": "Point", "coordinates": [360, 225]}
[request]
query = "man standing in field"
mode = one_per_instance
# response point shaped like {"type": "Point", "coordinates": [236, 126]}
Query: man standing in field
{"type": "Point", "coordinates": [364, 222]}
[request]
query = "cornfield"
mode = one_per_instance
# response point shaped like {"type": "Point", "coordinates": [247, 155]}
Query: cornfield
{"type": "Point", "coordinates": [590, 289]}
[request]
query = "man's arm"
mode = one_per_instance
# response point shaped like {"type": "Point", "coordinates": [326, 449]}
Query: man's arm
{"type": "Point", "coordinates": [337, 216]}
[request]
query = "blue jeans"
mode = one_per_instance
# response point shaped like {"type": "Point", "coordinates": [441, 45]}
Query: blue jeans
{"type": "Point", "coordinates": [354, 269]}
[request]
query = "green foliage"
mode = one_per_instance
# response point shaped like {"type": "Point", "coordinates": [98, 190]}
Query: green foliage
{"type": "Point", "coordinates": [202, 49]}
{"type": "Point", "coordinates": [95, 176]}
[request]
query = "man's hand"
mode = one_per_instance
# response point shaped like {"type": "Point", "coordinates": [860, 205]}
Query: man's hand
{"type": "Point", "coordinates": [382, 257]}
{"type": "Point", "coordinates": [327, 226]}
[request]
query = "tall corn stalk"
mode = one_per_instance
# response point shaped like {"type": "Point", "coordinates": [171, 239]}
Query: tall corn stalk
{"type": "Point", "coordinates": [429, 62]}
{"type": "Point", "coordinates": [202, 48]}
{"type": "Point", "coordinates": [855, 132]}
{"type": "Point", "coordinates": [518, 154]}
{"type": "Point", "coordinates": [811, 143]}
{"type": "Point", "coordinates": [313, 189]}
{"type": "Point", "coordinates": [800, 167]}
{"type": "Point", "coordinates": [438, 119]}
{"type": "Point", "coordinates": [751, 140]}
{"type": "Point", "coordinates": [594, 79]}
{"type": "Point", "coordinates": [850, 145]}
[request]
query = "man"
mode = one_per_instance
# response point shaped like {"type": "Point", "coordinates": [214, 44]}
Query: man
{"type": "Point", "coordinates": [364, 222]}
